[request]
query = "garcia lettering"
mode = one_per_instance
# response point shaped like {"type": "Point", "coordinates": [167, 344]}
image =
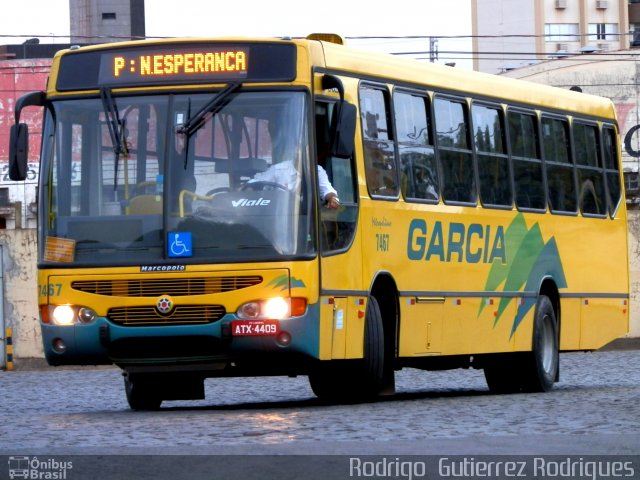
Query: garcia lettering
{"type": "Point", "coordinates": [456, 242]}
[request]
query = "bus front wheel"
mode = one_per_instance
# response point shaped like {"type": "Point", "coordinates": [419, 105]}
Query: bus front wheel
{"type": "Point", "coordinates": [140, 393]}
{"type": "Point", "coordinates": [355, 380]}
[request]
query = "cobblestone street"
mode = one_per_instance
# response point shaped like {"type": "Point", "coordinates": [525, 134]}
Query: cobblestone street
{"type": "Point", "coordinates": [594, 409]}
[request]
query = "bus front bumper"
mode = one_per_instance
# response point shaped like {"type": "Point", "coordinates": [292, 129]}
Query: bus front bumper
{"type": "Point", "coordinates": [103, 342]}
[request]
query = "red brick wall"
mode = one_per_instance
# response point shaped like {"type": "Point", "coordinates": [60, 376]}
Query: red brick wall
{"type": "Point", "coordinates": [18, 77]}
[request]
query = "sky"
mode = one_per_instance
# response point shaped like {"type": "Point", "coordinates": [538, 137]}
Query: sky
{"type": "Point", "coordinates": [49, 20]}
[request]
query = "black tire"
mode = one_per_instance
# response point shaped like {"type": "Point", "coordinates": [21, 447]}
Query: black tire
{"type": "Point", "coordinates": [374, 357]}
{"type": "Point", "coordinates": [544, 363]}
{"type": "Point", "coordinates": [358, 380]}
{"type": "Point", "coordinates": [140, 393]}
{"type": "Point", "coordinates": [534, 371]}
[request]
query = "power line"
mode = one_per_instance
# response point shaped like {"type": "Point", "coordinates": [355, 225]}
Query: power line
{"type": "Point", "coordinates": [466, 52]}
{"type": "Point", "coordinates": [442, 54]}
{"type": "Point", "coordinates": [553, 37]}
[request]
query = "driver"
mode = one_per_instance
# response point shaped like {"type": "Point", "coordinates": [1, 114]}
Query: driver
{"type": "Point", "coordinates": [286, 174]}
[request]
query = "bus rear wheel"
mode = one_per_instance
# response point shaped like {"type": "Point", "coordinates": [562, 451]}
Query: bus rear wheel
{"type": "Point", "coordinates": [534, 371]}
{"type": "Point", "coordinates": [355, 380]}
{"type": "Point", "coordinates": [544, 362]}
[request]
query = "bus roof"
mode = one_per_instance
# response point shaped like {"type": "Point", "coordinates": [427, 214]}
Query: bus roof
{"type": "Point", "coordinates": [375, 66]}
{"type": "Point", "coordinates": [451, 79]}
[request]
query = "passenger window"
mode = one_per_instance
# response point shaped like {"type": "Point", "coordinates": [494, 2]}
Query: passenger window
{"type": "Point", "coordinates": [560, 176]}
{"type": "Point", "coordinates": [612, 173]}
{"type": "Point", "coordinates": [418, 171]}
{"type": "Point", "coordinates": [527, 166]}
{"type": "Point", "coordinates": [493, 163]}
{"type": "Point", "coordinates": [379, 150]}
{"type": "Point", "coordinates": [591, 195]}
{"type": "Point", "coordinates": [456, 160]}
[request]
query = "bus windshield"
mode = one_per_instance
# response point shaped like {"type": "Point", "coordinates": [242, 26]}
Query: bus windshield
{"type": "Point", "coordinates": [126, 182]}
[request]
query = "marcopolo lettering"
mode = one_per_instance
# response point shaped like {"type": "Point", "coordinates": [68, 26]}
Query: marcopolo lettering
{"type": "Point", "coordinates": [163, 268]}
{"type": "Point", "coordinates": [456, 242]}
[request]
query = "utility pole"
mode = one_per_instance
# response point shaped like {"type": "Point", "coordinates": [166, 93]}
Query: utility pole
{"type": "Point", "coordinates": [433, 49]}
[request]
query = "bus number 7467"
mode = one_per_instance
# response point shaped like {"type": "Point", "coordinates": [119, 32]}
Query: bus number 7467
{"type": "Point", "coordinates": [49, 289]}
{"type": "Point", "coordinates": [382, 242]}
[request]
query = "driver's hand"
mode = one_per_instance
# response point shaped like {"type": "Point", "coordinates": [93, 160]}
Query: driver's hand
{"type": "Point", "coordinates": [332, 201]}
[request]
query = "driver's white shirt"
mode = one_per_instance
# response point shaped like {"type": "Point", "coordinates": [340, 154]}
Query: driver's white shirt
{"type": "Point", "coordinates": [287, 175]}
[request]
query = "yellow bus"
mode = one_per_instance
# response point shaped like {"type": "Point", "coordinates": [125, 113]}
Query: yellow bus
{"type": "Point", "coordinates": [244, 207]}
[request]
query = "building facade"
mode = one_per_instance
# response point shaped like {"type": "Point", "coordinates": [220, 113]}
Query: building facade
{"type": "Point", "coordinates": [99, 21]}
{"type": "Point", "coordinates": [508, 34]}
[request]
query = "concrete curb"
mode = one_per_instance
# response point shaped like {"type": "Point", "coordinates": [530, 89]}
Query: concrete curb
{"type": "Point", "coordinates": [31, 363]}
{"type": "Point", "coordinates": [626, 343]}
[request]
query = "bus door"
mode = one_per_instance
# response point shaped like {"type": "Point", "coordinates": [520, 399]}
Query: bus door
{"type": "Point", "coordinates": [339, 245]}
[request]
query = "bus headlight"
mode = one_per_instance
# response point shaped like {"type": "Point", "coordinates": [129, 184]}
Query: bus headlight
{"type": "Point", "coordinates": [63, 315]}
{"type": "Point", "coordinates": [66, 315]}
{"type": "Point", "coordinates": [86, 315]}
{"type": "Point", "coordinates": [275, 308]}
{"type": "Point", "coordinates": [249, 310]}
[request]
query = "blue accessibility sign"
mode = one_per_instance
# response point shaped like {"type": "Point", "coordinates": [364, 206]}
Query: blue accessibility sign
{"type": "Point", "coordinates": [179, 244]}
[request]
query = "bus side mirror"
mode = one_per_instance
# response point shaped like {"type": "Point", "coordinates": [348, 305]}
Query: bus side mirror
{"type": "Point", "coordinates": [18, 151]}
{"type": "Point", "coordinates": [343, 124]}
{"type": "Point", "coordinates": [19, 136]}
{"type": "Point", "coordinates": [343, 141]}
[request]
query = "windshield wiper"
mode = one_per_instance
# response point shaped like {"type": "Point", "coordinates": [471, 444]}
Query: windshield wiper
{"type": "Point", "coordinates": [116, 129]}
{"type": "Point", "coordinates": [213, 106]}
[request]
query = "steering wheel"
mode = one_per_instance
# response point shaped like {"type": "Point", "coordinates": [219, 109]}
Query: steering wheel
{"type": "Point", "coordinates": [263, 185]}
{"type": "Point", "coordinates": [215, 191]}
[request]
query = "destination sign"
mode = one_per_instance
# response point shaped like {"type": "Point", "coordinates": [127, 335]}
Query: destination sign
{"type": "Point", "coordinates": [134, 66]}
{"type": "Point", "coordinates": [176, 63]}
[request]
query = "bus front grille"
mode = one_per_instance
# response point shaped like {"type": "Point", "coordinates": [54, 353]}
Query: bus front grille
{"type": "Point", "coordinates": [180, 315]}
{"type": "Point", "coordinates": [166, 286]}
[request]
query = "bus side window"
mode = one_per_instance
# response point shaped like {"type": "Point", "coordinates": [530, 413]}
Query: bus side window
{"type": "Point", "coordinates": [589, 166]}
{"type": "Point", "coordinates": [610, 150]}
{"type": "Point", "coordinates": [493, 163]}
{"type": "Point", "coordinates": [337, 226]}
{"type": "Point", "coordinates": [454, 150]}
{"type": "Point", "coordinates": [527, 166]}
{"type": "Point", "coordinates": [379, 149]}
{"type": "Point", "coordinates": [339, 170]}
{"type": "Point", "coordinates": [418, 172]}
{"type": "Point", "coordinates": [559, 167]}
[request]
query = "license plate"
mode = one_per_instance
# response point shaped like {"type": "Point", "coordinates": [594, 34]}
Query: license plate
{"type": "Point", "coordinates": [254, 328]}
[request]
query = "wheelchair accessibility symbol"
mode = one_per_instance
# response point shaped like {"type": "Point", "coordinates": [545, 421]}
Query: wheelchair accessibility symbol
{"type": "Point", "coordinates": [179, 244]}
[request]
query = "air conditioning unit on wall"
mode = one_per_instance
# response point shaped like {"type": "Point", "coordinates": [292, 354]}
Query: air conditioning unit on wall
{"type": "Point", "coordinates": [561, 3]}
{"type": "Point", "coordinates": [562, 47]}
{"type": "Point", "coordinates": [602, 4]}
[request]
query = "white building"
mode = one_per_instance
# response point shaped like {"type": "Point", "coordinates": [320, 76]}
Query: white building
{"type": "Point", "coordinates": [512, 33]}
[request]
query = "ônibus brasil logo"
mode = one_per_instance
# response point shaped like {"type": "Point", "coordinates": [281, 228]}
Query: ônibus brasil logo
{"type": "Point", "coordinates": [35, 468]}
